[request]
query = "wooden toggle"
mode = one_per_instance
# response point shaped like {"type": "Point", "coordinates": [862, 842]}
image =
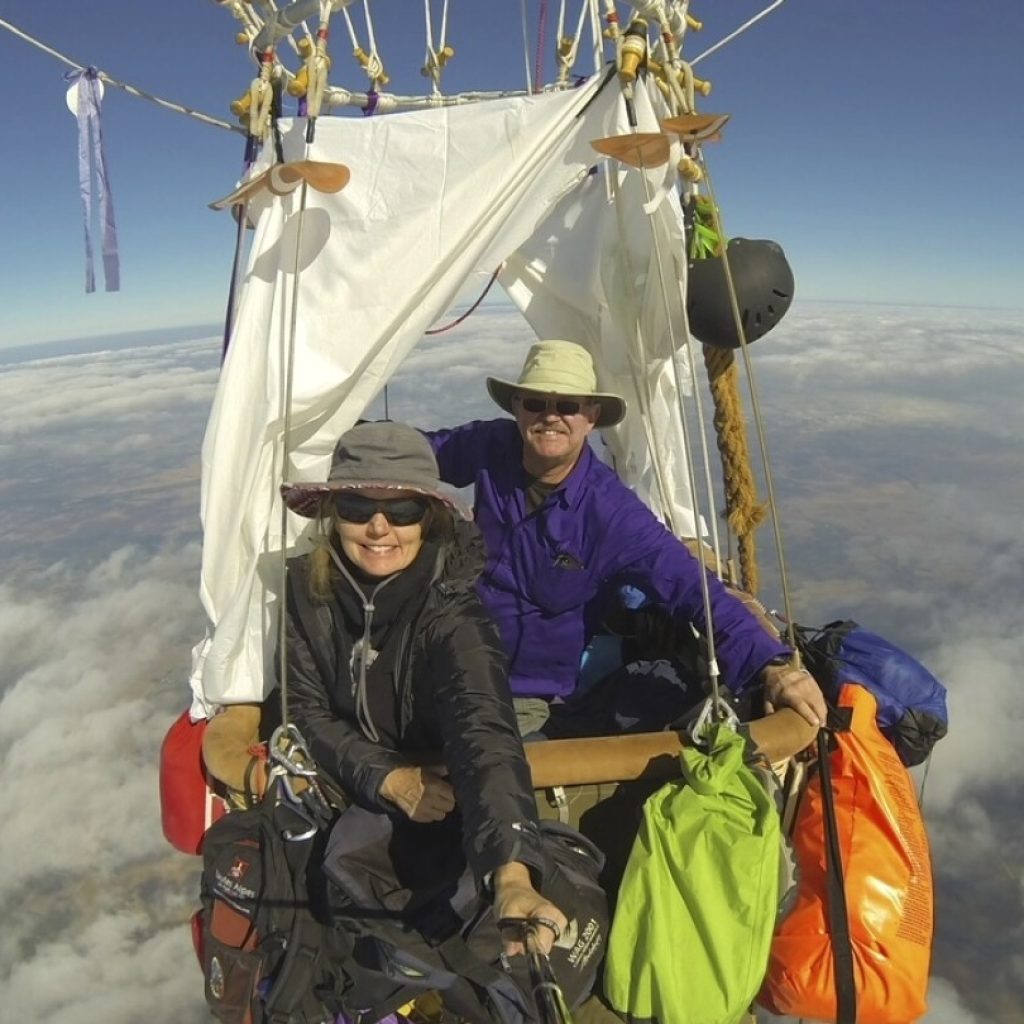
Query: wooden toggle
{"type": "Point", "coordinates": [281, 179]}
{"type": "Point", "coordinates": [696, 127]}
{"type": "Point", "coordinates": [639, 149]}
{"type": "Point", "coordinates": [633, 51]}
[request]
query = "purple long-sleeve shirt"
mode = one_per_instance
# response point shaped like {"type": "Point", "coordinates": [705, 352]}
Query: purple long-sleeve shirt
{"type": "Point", "coordinates": [553, 573]}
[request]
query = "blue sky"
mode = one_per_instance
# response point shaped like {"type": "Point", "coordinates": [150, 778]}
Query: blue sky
{"type": "Point", "coordinates": [880, 143]}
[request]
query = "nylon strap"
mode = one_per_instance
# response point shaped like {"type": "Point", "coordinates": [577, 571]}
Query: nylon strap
{"type": "Point", "coordinates": [838, 916]}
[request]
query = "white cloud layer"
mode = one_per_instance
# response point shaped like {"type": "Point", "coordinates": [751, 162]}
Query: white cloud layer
{"type": "Point", "coordinates": [894, 436]}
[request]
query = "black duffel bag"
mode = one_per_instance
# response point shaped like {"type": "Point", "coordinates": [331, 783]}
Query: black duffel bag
{"type": "Point", "coordinates": [414, 921]}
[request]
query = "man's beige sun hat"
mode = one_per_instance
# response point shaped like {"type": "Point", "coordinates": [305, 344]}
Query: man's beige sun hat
{"type": "Point", "coordinates": [558, 368]}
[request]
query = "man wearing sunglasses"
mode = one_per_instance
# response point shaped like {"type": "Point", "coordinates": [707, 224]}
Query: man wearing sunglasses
{"type": "Point", "coordinates": [564, 535]}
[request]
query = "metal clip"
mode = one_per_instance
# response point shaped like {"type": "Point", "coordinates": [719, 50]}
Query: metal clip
{"type": "Point", "coordinates": [714, 710]}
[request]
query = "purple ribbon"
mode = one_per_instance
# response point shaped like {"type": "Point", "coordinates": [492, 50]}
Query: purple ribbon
{"type": "Point", "coordinates": [91, 162]}
{"type": "Point", "coordinates": [372, 98]}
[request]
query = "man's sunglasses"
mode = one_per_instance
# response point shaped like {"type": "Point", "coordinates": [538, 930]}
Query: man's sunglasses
{"type": "Point", "coordinates": [355, 508]}
{"type": "Point", "coordinates": [563, 406]}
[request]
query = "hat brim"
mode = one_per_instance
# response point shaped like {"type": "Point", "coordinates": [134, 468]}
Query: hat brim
{"type": "Point", "coordinates": [305, 499]}
{"type": "Point", "coordinates": [613, 408]}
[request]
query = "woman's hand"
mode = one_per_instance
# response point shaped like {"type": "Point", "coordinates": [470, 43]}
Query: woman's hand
{"type": "Point", "coordinates": [420, 792]}
{"type": "Point", "coordinates": [789, 687]}
{"type": "Point", "coordinates": [515, 897]}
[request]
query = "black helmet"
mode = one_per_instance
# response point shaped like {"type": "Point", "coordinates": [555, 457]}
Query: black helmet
{"type": "Point", "coordinates": [764, 291]}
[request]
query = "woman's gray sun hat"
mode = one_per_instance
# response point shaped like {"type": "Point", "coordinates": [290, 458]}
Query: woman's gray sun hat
{"type": "Point", "coordinates": [558, 368]}
{"type": "Point", "coordinates": [386, 455]}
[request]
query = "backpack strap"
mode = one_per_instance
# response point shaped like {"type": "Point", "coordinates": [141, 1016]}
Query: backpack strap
{"type": "Point", "coordinates": [484, 977]}
{"type": "Point", "coordinates": [838, 917]}
{"type": "Point", "coordinates": [299, 971]}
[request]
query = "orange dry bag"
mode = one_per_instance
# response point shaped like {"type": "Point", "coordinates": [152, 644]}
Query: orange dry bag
{"type": "Point", "coordinates": [856, 947]}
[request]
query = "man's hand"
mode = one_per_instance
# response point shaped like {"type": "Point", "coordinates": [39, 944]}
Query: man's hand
{"type": "Point", "coordinates": [420, 792]}
{"type": "Point", "coordinates": [515, 897]}
{"type": "Point", "coordinates": [789, 687]}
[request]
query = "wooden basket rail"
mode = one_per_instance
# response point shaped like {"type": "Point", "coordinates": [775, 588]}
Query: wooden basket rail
{"type": "Point", "coordinates": [600, 759]}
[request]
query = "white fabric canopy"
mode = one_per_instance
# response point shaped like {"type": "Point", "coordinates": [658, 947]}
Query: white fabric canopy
{"type": "Point", "coordinates": [592, 273]}
{"type": "Point", "coordinates": [434, 197]}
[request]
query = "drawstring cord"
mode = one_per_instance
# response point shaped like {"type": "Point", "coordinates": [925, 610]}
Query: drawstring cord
{"type": "Point", "coordinates": [362, 650]}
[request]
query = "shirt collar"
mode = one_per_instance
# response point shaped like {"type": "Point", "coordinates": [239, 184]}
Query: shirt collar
{"type": "Point", "coordinates": [568, 492]}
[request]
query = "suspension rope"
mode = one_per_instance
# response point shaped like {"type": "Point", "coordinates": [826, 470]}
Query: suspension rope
{"type": "Point", "coordinates": [743, 28]}
{"type": "Point", "coordinates": [567, 47]}
{"type": "Point", "coordinates": [744, 513]}
{"type": "Point", "coordinates": [538, 60]}
{"type": "Point", "coordinates": [526, 47]}
{"type": "Point", "coordinates": [287, 390]}
{"type": "Point", "coordinates": [595, 32]}
{"type": "Point", "coordinates": [437, 56]}
{"type": "Point", "coordinates": [370, 61]}
{"type": "Point", "coordinates": [132, 90]}
{"type": "Point", "coordinates": [755, 406]}
{"type": "Point", "coordinates": [651, 210]}
{"type": "Point", "coordinates": [472, 309]}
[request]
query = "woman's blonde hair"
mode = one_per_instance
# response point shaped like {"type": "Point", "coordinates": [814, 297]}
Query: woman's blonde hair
{"type": "Point", "coordinates": [438, 524]}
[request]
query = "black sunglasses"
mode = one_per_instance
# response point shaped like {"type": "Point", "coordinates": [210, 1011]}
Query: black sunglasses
{"type": "Point", "coordinates": [355, 508]}
{"type": "Point", "coordinates": [563, 406]}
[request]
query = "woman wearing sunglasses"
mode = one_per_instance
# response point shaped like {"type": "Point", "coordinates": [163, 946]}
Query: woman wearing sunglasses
{"type": "Point", "coordinates": [391, 658]}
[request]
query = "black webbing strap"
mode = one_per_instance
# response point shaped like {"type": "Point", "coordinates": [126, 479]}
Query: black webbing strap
{"type": "Point", "coordinates": [292, 997]}
{"type": "Point", "coordinates": [838, 918]}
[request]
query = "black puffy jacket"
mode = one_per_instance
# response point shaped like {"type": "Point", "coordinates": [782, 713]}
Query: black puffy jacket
{"type": "Point", "coordinates": [444, 690]}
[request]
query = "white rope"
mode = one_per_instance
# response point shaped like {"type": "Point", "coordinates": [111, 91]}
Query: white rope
{"type": "Point", "coordinates": [433, 63]}
{"type": "Point", "coordinates": [567, 61]}
{"type": "Point", "coordinates": [319, 64]}
{"type": "Point", "coordinates": [335, 96]}
{"type": "Point", "coordinates": [178, 108]}
{"type": "Point", "coordinates": [526, 49]}
{"type": "Point", "coordinates": [755, 406]}
{"type": "Point", "coordinates": [429, 28]}
{"type": "Point", "coordinates": [595, 32]}
{"type": "Point", "coordinates": [369, 32]}
{"type": "Point", "coordinates": [732, 35]}
{"type": "Point", "coordinates": [713, 670]}
{"type": "Point", "coordinates": [351, 29]}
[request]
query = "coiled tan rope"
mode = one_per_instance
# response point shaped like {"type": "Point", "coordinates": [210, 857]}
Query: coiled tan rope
{"type": "Point", "coordinates": [743, 510]}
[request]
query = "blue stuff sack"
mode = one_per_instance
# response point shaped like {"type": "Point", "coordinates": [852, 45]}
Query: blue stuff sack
{"type": "Point", "coordinates": [912, 711]}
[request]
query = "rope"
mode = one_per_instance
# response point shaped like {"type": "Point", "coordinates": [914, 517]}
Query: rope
{"type": "Point", "coordinates": [567, 48]}
{"type": "Point", "coordinates": [744, 512]}
{"type": "Point", "coordinates": [755, 405]}
{"type": "Point", "coordinates": [712, 659]}
{"type": "Point", "coordinates": [732, 35]}
{"type": "Point", "coordinates": [526, 48]}
{"type": "Point", "coordinates": [289, 380]}
{"type": "Point", "coordinates": [132, 90]}
{"type": "Point", "coordinates": [437, 56]}
{"type": "Point", "coordinates": [319, 64]}
{"type": "Point", "coordinates": [472, 309]}
{"type": "Point", "coordinates": [538, 61]}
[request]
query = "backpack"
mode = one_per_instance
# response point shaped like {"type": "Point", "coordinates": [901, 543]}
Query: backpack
{"type": "Point", "coordinates": [697, 906]}
{"type": "Point", "coordinates": [263, 944]}
{"type": "Point", "coordinates": [911, 701]}
{"type": "Point", "coordinates": [415, 920]}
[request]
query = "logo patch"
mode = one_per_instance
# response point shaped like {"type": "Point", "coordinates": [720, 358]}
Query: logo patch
{"type": "Point", "coordinates": [216, 978]}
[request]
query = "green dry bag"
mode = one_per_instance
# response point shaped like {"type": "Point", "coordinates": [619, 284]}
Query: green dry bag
{"type": "Point", "coordinates": [693, 923]}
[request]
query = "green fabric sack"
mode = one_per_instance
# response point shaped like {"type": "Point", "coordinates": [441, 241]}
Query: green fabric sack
{"type": "Point", "coordinates": [693, 924]}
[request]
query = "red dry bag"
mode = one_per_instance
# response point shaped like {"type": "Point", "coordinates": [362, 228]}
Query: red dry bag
{"type": "Point", "coordinates": [188, 806]}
